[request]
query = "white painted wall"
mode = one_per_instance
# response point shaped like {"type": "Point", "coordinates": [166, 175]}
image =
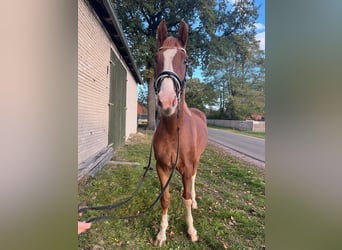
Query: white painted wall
{"type": "Point", "coordinates": [94, 46]}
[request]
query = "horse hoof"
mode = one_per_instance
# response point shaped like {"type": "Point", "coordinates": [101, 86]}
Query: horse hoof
{"type": "Point", "coordinates": [159, 243]}
{"type": "Point", "coordinates": [194, 237]}
{"type": "Point", "coordinates": [161, 239]}
{"type": "Point", "coordinates": [194, 205]}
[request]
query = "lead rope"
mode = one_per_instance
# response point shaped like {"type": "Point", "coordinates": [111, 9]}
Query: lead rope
{"type": "Point", "coordinates": [119, 204]}
{"type": "Point", "coordinates": [116, 205]}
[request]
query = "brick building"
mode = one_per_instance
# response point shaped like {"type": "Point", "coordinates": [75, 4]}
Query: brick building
{"type": "Point", "coordinates": [107, 86]}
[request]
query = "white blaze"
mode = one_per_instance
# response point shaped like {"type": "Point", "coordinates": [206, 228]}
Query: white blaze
{"type": "Point", "coordinates": [168, 58]}
{"type": "Point", "coordinates": [167, 92]}
{"type": "Point", "coordinates": [169, 54]}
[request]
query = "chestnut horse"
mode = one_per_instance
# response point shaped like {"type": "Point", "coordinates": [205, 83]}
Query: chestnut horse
{"type": "Point", "coordinates": [170, 71]}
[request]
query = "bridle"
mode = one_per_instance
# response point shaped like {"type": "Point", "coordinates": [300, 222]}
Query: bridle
{"type": "Point", "coordinates": [178, 84]}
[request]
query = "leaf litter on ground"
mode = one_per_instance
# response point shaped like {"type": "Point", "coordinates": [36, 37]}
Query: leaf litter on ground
{"type": "Point", "coordinates": [230, 196]}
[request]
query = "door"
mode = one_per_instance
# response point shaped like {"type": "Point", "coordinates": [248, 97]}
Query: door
{"type": "Point", "coordinates": [117, 103]}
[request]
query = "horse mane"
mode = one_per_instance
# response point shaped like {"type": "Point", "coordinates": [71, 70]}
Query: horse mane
{"type": "Point", "coordinates": [186, 108]}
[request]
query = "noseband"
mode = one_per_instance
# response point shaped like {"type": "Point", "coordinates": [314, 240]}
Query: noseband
{"type": "Point", "coordinates": [178, 84]}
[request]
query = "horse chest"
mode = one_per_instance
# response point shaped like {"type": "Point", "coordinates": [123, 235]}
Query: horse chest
{"type": "Point", "coordinates": [166, 152]}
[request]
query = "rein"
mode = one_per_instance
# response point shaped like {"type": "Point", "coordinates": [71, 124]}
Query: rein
{"type": "Point", "coordinates": [118, 204]}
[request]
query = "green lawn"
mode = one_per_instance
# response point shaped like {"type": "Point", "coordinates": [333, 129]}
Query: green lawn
{"type": "Point", "coordinates": [230, 196]}
{"type": "Point", "coordinates": [250, 133]}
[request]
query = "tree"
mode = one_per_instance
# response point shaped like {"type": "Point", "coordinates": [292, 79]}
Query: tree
{"type": "Point", "coordinates": [221, 38]}
{"type": "Point", "coordinates": [143, 95]}
{"type": "Point", "coordinates": [139, 20]}
{"type": "Point", "coordinates": [200, 95]}
{"type": "Point", "coordinates": [235, 65]}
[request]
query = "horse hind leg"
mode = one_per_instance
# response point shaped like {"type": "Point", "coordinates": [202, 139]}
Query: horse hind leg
{"type": "Point", "coordinates": [187, 200]}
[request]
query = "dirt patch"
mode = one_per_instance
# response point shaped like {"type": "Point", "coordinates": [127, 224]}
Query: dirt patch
{"type": "Point", "coordinates": [137, 138]}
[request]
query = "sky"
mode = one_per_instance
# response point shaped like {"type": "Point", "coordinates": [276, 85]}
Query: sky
{"type": "Point", "coordinates": [260, 25]}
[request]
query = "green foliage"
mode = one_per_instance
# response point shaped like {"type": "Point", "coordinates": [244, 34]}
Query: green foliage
{"type": "Point", "coordinates": [221, 41]}
{"type": "Point", "coordinates": [230, 195]}
{"type": "Point", "coordinates": [140, 19]}
{"type": "Point", "coordinates": [235, 65]}
{"type": "Point", "coordinates": [142, 94]}
{"type": "Point", "coordinates": [199, 95]}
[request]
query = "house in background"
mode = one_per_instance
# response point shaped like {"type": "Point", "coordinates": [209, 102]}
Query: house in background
{"type": "Point", "coordinates": [141, 109]}
{"type": "Point", "coordinates": [107, 86]}
{"type": "Point", "coordinates": [142, 115]}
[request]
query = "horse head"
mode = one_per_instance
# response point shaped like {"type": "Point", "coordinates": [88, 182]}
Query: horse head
{"type": "Point", "coordinates": [171, 66]}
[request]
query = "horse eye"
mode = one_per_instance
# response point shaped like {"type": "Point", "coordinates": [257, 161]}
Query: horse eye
{"type": "Point", "coordinates": [183, 50]}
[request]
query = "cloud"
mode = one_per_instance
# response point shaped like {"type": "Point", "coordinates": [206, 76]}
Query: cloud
{"type": "Point", "coordinates": [259, 26]}
{"type": "Point", "coordinates": [261, 37]}
{"type": "Point", "coordinates": [234, 1]}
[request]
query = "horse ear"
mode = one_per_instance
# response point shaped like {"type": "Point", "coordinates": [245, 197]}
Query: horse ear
{"type": "Point", "coordinates": [162, 32]}
{"type": "Point", "coordinates": [183, 33]}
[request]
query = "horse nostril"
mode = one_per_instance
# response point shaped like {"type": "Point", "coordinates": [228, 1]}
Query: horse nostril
{"type": "Point", "coordinates": [160, 103]}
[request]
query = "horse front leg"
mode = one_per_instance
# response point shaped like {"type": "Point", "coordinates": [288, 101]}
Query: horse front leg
{"type": "Point", "coordinates": [188, 202]}
{"type": "Point", "coordinates": [193, 192]}
{"type": "Point", "coordinates": [164, 201]}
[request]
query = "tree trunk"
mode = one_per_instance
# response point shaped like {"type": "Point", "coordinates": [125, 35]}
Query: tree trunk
{"type": "Point", "coordinates": [151, 105]}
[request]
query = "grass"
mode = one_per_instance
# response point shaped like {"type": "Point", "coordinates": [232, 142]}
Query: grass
{"type": "Point", "coordinates": [250, 133]}
{"type": "Point", "coordinates": [230, 196]}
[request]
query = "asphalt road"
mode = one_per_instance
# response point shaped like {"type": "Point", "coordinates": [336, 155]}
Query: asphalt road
{"type": "Point", "coordinates": [247, 145]}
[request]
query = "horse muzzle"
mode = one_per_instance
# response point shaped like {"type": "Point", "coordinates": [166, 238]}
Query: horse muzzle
{"type": "Point", "coordinates": [168, 89]}
{"type": "Point", "coordinates": [167, 104]}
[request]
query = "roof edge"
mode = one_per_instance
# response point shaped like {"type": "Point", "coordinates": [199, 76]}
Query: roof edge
{"type": "Point", "coordinates": [128, 58]}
